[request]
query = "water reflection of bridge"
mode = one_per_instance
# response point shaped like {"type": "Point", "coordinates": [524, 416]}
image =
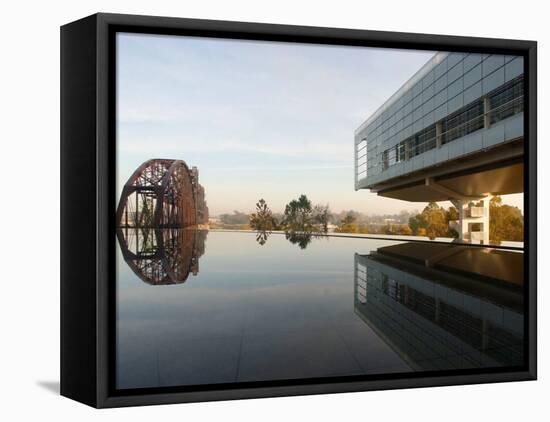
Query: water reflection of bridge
{"type": "Point", "coordinates": [444, 307]}
{"type": "Point", "coordinates": [162, 256]}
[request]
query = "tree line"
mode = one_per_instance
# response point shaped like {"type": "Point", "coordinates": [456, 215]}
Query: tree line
{"type": "Point", "coordinates": [301, 216]}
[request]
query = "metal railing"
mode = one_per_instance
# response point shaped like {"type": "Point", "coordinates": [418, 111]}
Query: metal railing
{"type": "Point", "coordinates": [390, 157]}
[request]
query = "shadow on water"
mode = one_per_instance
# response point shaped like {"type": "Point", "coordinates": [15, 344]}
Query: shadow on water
{"type": "Point", "coordinates": [444, 307]}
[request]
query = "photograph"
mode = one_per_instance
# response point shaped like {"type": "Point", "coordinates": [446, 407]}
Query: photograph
{"type": "Point", "coordinates": [275, 211]}
{"type": "Point", "coordinates": [308, 212]}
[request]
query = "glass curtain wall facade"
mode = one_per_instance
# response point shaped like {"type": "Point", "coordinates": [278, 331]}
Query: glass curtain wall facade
{"type": "Point", "coordinates": [456, 105]}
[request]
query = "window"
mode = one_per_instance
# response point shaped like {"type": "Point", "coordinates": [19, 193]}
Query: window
{"type": "Point", "coordinates": [503, 102]}
{"type": "Point", "coordinates": [465, 121]}
{"type": "Point", "coordinates": [361, 149]}
{"type": "Point", "coordinates": [400, 153]}
{"type": "Point", "coordinates": [506, 100]}
{"type": "Point", "coordinates": [425, 140]}
{"type": "Point", "coordinates": [385, 159]}
{"type": "Point", "coordinates": [362, 287]}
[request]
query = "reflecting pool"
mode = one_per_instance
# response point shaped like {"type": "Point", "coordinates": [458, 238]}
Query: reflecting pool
{"type": "Point", "coordinates": [197, 307]}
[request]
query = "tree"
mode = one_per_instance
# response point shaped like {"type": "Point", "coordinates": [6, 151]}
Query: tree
{"type": "Point", "coordinates": [347, 224]}
{"type": "Point", "coordinates": [433, 221]}
{"type": "Point", "coordinates": [396, 229]}
{"type": "Point", "coordinates": [505, 221]}
{"type": "Point", "coordinates": [263, 219]}
{"type": "Point", "coordinates": [404, 230]}
{"type": "Point", "coordinates": [403, 217]}
{"type": "Point", "coordinates": [437, 223]}
{"type": "Point", "coordinates": [387, 229]}
{"type": "Point", "coordinates": [452, 214]}
{"type": "Point", "coordinates": [298, 215]}
{"type": "Point", "coordinates": [418, 222]}
{"type": "Point", "coordinates": [321, 217]}
{"type": "Point", "coordinates": [363, 229]}
{"type": "Point", "coordinates": [421, 232]}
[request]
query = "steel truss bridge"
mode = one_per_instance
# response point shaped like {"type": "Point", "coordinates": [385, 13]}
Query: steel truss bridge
{"type": "Point", "coordinates": [162, 193]}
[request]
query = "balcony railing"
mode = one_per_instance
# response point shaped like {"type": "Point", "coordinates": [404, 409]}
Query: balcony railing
{"type": "Point", "coordinates": [406, 152]}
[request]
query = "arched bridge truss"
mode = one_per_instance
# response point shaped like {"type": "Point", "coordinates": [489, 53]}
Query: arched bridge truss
{"type": "Point", "coordinates": [162, 193]}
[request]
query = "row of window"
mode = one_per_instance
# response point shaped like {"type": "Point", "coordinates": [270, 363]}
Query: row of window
{"type": "Point", "coordinates": [414, 93]}
{"type": "Point", "coordinates": [465, 121]}
{"type": "Point", "coordinates": [410, 100]}
{"type": "Point", "coordinates": [478, 332]}
{"type": "Point", "coordinates": [501, 104]}
{"type": "Point", "coordinates": [503, 101]}
{"type": "Point", "coordinates": [361, 149]}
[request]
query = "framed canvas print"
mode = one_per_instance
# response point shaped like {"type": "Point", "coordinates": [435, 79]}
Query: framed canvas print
{"type": "Point", "coordinates": [254, 210]}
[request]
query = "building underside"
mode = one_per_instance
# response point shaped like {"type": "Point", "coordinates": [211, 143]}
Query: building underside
{"type": "Point", "coordinates": [469, 183]}
{"type": "Point", "coordinates": [472, 177]}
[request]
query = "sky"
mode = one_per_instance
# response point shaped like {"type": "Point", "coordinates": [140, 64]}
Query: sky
{"type": "Point", "coordinates": [259, 119]}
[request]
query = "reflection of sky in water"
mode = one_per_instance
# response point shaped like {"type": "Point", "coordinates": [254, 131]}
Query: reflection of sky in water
{"type": "Point", "coordinates": [252, 313]}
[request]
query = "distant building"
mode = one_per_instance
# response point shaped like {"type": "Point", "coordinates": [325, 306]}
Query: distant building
{"type": "Point", "coordinates": [454, 132]}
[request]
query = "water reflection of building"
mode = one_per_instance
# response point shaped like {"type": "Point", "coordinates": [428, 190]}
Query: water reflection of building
{"type": "Point", "coordinates": [162, 256]}
{"type": "Point", "coordinates": [444, 307]}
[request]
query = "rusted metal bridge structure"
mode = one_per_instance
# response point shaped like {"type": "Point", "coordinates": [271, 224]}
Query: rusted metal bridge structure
{"type": "Point", "coordinates": [162, 193]}
{"type": "Point", "coordinates": [162, 256]}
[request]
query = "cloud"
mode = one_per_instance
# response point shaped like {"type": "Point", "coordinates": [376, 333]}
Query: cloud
{"type": "Point", "coordinates": [261, 108]}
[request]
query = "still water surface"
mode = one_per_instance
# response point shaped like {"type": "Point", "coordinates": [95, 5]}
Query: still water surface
{"type": "Point", "coordinates": [219, 307]}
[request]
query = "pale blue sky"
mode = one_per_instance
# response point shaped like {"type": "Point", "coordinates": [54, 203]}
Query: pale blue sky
{"type": "Point", "coordinates": [259, 119]}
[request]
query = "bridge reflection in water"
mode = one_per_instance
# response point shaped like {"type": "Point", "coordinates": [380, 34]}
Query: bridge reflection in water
{"type": "Point", "coordinates": [444, 307]}
{"type": "Point", "coordinates": [162, 256]}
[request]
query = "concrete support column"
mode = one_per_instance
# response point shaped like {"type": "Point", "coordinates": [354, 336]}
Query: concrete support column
{"type": "Point", "coordinates": [486, 207]}
{"type": "Point", "coordinates": [473, 220]}
{"type": "Point", "coordinates": [462, 226]}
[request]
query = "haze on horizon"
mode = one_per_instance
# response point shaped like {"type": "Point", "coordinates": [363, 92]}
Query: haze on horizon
{"type": "Point", "coordinates": [258, 119]}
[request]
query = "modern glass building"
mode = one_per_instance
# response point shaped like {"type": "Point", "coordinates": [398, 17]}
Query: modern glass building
{"type": "Point", "coordinates": [454, 131]}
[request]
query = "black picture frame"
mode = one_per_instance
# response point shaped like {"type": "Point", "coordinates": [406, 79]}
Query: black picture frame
{"type": "Point", "coordinates": [87, 205]}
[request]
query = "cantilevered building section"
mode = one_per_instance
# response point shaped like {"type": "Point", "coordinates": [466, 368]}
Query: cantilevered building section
{"type": "Point", "coordinates": [454, 132]}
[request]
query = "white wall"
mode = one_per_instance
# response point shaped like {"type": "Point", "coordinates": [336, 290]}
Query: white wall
{"type": "Point", "coordinates": [29, 99]}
